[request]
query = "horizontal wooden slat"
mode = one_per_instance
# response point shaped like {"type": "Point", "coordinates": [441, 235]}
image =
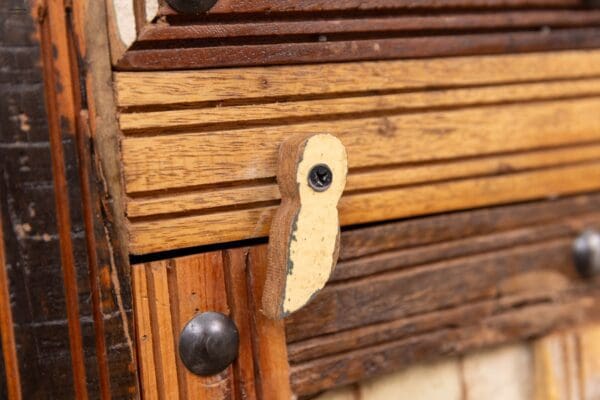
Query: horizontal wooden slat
{"type": "Point", "coordinates": [181, 160]}
{"type": "Point", "coordinates": [360, 50]}
{"type": "Point", "coordinates": [152, 88]}
{"type": "Point", "coordinates": [251, 6]}
{"type": "Point", "coordinates": [158, 204]}
{"type": "Point", "coordinates": [243, 115]}
{"type": "Point", "coordinates": [152, 236]}
{"type": "Point", "coordinates": [387, 23]}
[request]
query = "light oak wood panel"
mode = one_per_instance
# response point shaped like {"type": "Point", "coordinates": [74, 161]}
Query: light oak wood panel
{"type": "Point", "coordinates": [163, 88]}
{"type": "Point", "coordinates": [183, 160]}
{"type": "Point", "coordinates": [187, 231]}
{"type": "Point", "coordinates": [172, 203]}
{"type": "Point", "coordinates": [247, 114]}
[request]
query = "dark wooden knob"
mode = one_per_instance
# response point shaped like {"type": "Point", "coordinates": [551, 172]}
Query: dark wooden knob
{"type": "Point", "coordinates": [191, 6]}
{"type": "Point", "coordinates": [209, 343]}
{"type": "Point", "coordinates": [586, 253]}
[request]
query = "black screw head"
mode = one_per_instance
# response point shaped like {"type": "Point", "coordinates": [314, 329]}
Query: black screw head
{"type": "Point", "coordinates": [208, 343]}
{"type": "Point", "coordinates": [320, 177]}
{"type": "Point", "coordinates": [191, 6]}
{"type": "Point", "coordinates": [586, 253]}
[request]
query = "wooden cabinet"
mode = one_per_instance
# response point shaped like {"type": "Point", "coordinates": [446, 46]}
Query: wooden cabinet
{"type": "Point", "coordinates": [473, 139]}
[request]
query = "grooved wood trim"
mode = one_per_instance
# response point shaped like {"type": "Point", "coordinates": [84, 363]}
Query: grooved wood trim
{"type": "Point", "coordinates": [199, 151]}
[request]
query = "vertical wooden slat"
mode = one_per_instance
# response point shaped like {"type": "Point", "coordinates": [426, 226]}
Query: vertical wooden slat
{"type": "Point", "coordinates": [270, 350]}
{"type": "Point", "coordinates": [163, 341]}
{"type": "Point", "coordinates": [9, 350]}
{"type": "Point", "coordinates": [197, 284]}
{"type": "Point", "coordinates": [589, 356]}
{"type": "Point", "coordinates": [144, 336]}
{"type": "Point", "coordinates": [237, 291]}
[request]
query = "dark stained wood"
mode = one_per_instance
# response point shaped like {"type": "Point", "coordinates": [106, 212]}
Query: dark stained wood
{"type": "Point", "coordinates": [522, 322]}
{"type": "Point", "coordinates": [355, 50]}
{"type": "Point", "coordinates": [459, 225]}
{"type": "Point", "coordinates": [251, 6]}
{"type": "Point", "coordinates": [415, 290]}
{"type": "Point", "coordinates": [381, 25]}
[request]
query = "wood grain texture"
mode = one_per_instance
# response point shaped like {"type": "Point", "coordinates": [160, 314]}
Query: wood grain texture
{"type": "Point", "coordinates": [429, 135]}
{"type": "Point", "coordinates": [152, 88]}
{"type": "Point", "coordinates": [360, 50]}
{"type": "Point", "coordinates": [269, 342]}
{"type": "Point", "coordinates": [524, 251]}
{"type": "Point", "coordinates": [167, 295]}
{"type": "Point", "coordinates": [10, 365]}
{"type": "Point", "coordinates": [245, 6]}
{"type": "Point", "coordinates": [304, 235]}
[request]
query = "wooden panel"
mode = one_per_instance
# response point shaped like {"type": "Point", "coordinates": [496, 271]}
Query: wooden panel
{"type": "Point", "coordinates": [217, 158]}
{"type": "Point", "coordinates": [152, 88]}
{"type": "Point", "coordinates": [145, 36]}
{"type": "Point", "coordinates": [167, 295]}
{"type": "Point", "coordinates": [452, 283]}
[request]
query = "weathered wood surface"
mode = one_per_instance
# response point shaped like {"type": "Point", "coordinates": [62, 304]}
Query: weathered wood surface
{"type": "Point", "coordinates": [169, 293]}
{"type": "Point", "coordinates": [442, 285]}
{"type": "Point", "coordinates": [145, 36]}
{"type": "Point", "coordinates": [567, 366]}
{"type": "Point", "coordinates": [443, 135]}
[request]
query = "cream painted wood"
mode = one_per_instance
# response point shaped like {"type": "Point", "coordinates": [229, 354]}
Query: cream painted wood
{"type": "Point", "coordinates": [439, 381]}
{"type": "Point", "coordinates": [304, 238]}
{"type": "Point", "coordinates": [500, 374]}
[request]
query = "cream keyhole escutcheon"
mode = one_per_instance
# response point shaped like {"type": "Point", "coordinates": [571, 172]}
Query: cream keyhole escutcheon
{"type": "Point", "coordinates": [305, 232]}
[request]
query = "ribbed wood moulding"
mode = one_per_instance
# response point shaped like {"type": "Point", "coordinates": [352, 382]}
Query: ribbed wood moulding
{"type": "Point", "coordinates": [423, 136]}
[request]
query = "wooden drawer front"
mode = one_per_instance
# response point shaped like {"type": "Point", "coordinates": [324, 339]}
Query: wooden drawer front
{"type": "Point", "coordinates": [402, 293]}
{"type": "Point", "coordinates": [200, 147]}
{"type": "Point", "coordinates": [147, 35]}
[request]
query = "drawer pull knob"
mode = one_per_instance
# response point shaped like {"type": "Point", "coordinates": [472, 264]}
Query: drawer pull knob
{"type": "Point", "coordinates": [304, 236]}
{"type": "Point", "coordinates": [208, 343]}
{"type": "Point", "coordinates": [586, 253]}
{"type": "Point", "coordinates": [191, 6]}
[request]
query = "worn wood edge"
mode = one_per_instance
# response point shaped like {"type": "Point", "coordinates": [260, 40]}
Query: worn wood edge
{"type": "Point", "coordinates": [291, 5]}
{"type": "Point", "coordinates": [7, 334]}
{"type": "Point", "coordinates": [90, 23]}
{"type": "Point", "coordinates": [404, 102]}
{"type": "Point", "coordinates": [395, 23]}
{"type": "Point", "coordinates": [167, 234]}
{"type": "Point", "coordinates": [361, 50]}
{"type": "Point", "coordinates": [435, 252]}
{"type": "Point", "coordinates": [230, 156]}
{"type": "Point", "coordinates": [157, 205]}
{"type": "Point", "coordinates": [308, 378]}
{"type": "Point", "coordinates": [163, 88]}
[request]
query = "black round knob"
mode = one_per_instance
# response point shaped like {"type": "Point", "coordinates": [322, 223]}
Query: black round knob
{"type": "Point", "coordinates": [586, 253]}
{"type": "Point", "coordinates": [320, 177]}
{"type": "Point", "coordinates": [208, 343]}
{"type": "Point", "coordinates": [191, 6]}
